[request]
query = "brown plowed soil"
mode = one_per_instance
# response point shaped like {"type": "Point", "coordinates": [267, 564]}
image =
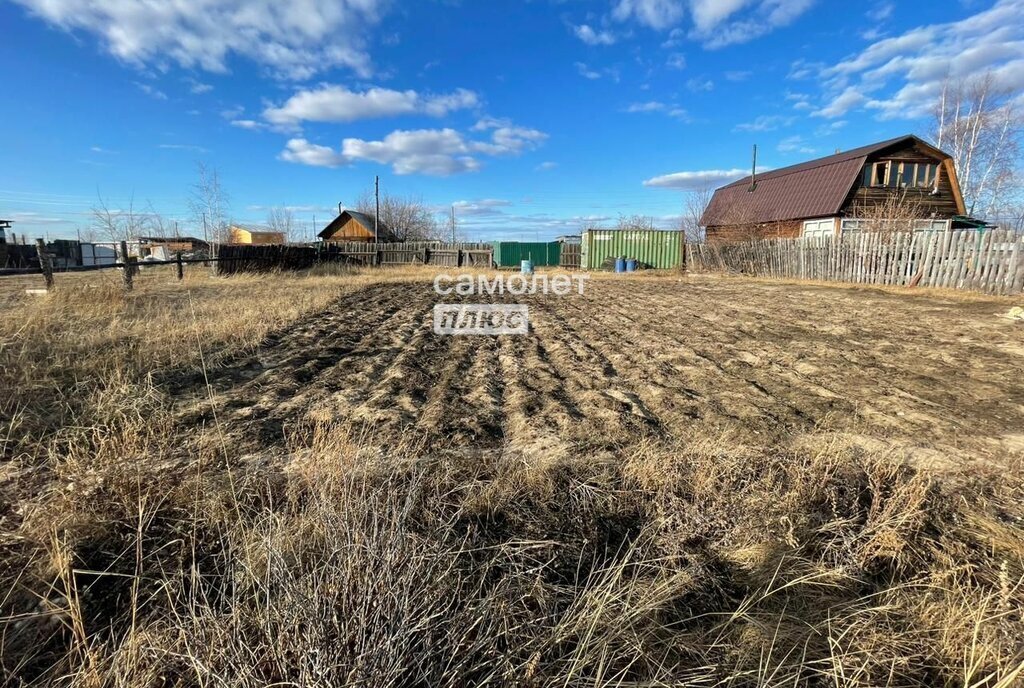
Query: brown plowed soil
{"type": "Point", "coordinates": [938, 378]}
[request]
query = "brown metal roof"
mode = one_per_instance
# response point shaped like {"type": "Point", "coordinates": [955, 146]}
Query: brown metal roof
{"type": "Point", "coordinates": [816, 188]}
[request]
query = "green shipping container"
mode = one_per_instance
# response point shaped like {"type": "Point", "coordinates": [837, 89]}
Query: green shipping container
{"type": "Point", "coordinates": [653, 248]}
{"type": "Point", "coordinates": [509, 254]}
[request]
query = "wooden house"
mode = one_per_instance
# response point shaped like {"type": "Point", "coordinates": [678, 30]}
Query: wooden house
{"type": "Point", "coordinates": [240, 234]}
{"type": "Point", "coordinates": [842, 193]}
{"type": "Point", "coordinates": [355, 226]}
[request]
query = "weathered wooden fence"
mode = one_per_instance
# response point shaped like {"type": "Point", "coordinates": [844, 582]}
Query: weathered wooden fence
{"type": "Point", "coordinates": [988, 261]}
{"type": "Point", "coordinates": [250, 258]}
{"type": "Point", "coordinates": [570, 256]}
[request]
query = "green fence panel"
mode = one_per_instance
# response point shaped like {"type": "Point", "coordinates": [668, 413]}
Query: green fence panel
{"type": "Point", "coordinates": [509, 254]}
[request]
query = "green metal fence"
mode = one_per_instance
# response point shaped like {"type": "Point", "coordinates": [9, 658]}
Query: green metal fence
{"type": "Point", "coordinates": [652, 248]}
{"type": "Point", "coordinates": [508, 254]}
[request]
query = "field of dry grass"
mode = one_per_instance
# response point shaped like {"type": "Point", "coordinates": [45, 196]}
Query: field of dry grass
{"type": "Point", "coordinates": [290, 480]}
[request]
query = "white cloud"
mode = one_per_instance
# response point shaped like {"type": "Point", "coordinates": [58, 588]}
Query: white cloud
{"type": "Point", "coordinates": [676, 61]}
{"type": "Point", "coordinates": [902, 76]}
{"type": "Point", "coordinates": [545, 166]}
{"type": "Point", "coordinates": [708, 14]}
{"type": "Point", "coordinates": [480, 208]}
{"type": "Point", "coordinates": [293, 39]}
{"type": "Point", "coordinates": [656, 14]}
{"type": "Point", "coordinates": [830, 128]}
{"type": "Point", "coordinates": [250, 124]}
{"type": "Point", "coordinates": [594, 74]}
{"type": "Point", "coordinates": [330, 103]}
{"type": "Point", "coordinates": [198, 87]}
{"type": "Point", "coordinates": [151, 91]}
{"type": "Point", "coordinates": [657, 106]}
{"type": "Point", "coordinates": [435, 152]}
{"type": "Point", "coordinates": [850, 98]}
{"type": "Point", "coordinates": [698, 84]}
{"type": "Point", "coordinates": [303, 152]}
{"type": "Point", "coordinates": [765, 123]}
{"type": "Point", "coordinates": [651, 106]}
{"type": "Point", "coordinates": [590, 36]}
{"type": "Point", "coordinates": [881, 11]}
{"type": "Point", "coordinates": [795, 144]}
{"type": "Point", "coordinates": [767, 16]}
{"type": "Point", "coordinates": [696, 180]}
{"type": "Point", "coordinates": [183, 147]}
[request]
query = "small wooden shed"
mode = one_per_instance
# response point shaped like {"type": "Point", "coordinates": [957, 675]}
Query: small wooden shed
{"type": "Point", "coordinates": [351, 225]}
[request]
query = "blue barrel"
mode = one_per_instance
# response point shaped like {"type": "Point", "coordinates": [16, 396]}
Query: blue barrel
{"type": "Point", "coordinates": [526, 267]}
{"type": "Point", "coordinates": [631, 264]}
{"type": "Point", "coordinates": [620, 264]}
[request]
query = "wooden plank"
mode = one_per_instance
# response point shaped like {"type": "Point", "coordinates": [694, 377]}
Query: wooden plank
{"type": "Point", "coordinates": [929, 254]}
{"type": "Point", "coordinates": [1014, 270]}
{"type": "Point", "coordinates": [1018, 280]}
{"type": "Point", "coordinates": [978, 264]}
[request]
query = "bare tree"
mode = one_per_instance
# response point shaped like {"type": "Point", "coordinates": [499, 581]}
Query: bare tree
{"type": "Point", "coordinates": [208, 203]}
{"type": "Point", "coordinates": [980, 127]}
{"type": "Point", "coordinates": [635, 222]}
{"type": "Point", "coordinates": [896, 213]}
{"type": "Point", "coordinates": [407, 217]}
{"type": "Point", "coordinates": [282, 220]}
{"type": "Point", "coordinates": [694, 205]}
{"type": "Point", "coordinates": [118, 224]}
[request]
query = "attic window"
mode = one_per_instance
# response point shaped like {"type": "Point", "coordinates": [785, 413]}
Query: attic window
{"type": "Point", "coordinates": [901, 175]}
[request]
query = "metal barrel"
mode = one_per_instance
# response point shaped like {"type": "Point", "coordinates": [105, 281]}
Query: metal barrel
{"type": "Point", "coordinates": [526, 267]}
{"type": "Point", "coordinates": [620, 264]}
{"type": "Point", "coordinates": [631, 264]}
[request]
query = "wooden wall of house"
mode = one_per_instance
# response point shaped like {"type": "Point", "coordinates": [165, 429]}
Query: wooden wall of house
{"type": "Point", "coordinates": [351, 231]}
{"type": "Point", "coordinates": [942, 204]}
{"type": "Point", "coordinates": [728, 234]}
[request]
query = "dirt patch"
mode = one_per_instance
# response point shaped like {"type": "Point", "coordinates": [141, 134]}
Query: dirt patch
{"type": "Point", "coordinates": [636, 359]}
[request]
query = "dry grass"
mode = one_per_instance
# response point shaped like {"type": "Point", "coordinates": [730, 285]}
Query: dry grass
{"type": "Point", "coordinates": [133, 558]}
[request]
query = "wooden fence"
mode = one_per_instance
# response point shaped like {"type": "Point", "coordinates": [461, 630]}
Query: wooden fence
{"type": "Point", "coordinates": [988, 261]}
{"type": "Point", "coordinates": [571, 256]}
{"type": "Point", "coordinates": [257, 258]}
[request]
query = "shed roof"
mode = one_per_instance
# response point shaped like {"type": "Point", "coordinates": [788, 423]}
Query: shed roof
{"type": "Point", "coordinates": [816, 188]}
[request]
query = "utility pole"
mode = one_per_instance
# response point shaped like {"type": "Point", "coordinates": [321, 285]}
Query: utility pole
{"type": "Point", "coordinates": [312, 237]}
{"type": "Point", "coordinates": [753, 170]}
{"type": "Point", "coordinates": [453, 224]}
{"type": "Point", "coordinates": [376, 215]}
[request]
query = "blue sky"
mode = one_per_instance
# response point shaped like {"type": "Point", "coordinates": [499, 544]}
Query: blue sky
{"type": "Point", "coordinates": [533, 118]}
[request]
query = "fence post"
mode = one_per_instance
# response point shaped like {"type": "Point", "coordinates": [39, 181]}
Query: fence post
{"type": "Point", "coordinates": [44, 263]}
{"type": "Point", "coordinates": [126, 273]}
{"type": "Point", "coordinates": [180, 266]}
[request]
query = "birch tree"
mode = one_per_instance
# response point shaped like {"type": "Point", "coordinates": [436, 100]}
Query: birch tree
{"type": "Point", "coordinates": [208, 204]}
{"type": "Point", "coordinates": [980, 126]}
